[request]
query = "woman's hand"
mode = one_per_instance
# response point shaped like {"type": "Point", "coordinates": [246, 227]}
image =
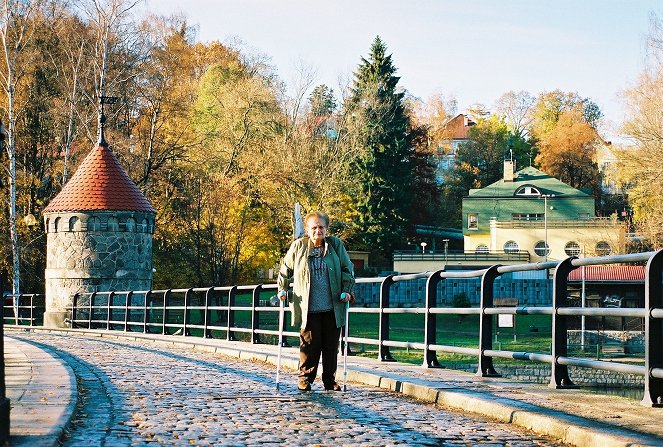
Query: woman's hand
{"type": "Point", "coordinates": [347, 297]}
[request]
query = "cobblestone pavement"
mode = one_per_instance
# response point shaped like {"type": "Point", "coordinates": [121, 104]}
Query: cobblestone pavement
{"type": "Point", "coordinates": [139, 394]}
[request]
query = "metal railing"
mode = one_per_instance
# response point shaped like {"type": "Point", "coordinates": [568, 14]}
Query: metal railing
{"type": "Point", "coordinates": [27, 310]}
{"type": "Point", "coordinates": [216, 309]}
{"type": "Point", "coordinates": [484, 256]}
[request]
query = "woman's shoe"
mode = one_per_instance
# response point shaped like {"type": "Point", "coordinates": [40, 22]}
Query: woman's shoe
{"type": "Point", "coordinates": [333, 387]}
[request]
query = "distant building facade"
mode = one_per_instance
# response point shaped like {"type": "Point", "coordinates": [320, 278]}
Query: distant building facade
{"type": "Point", "coordinates": [454, 134]}
{"type": "Point", "coordinates": [533, 212]}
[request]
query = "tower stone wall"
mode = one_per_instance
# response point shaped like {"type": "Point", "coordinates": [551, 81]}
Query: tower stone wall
{"type": "Point", "coordinates": [95, 252]}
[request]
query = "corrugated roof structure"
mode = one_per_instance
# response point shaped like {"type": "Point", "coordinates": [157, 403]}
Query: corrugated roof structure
{"type": "Point", "coordinates": [610, 273]}
{"type": "Point", "coordinates": [100, 184]}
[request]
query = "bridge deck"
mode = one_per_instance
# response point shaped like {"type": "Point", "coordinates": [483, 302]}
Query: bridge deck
{"type": "Point", "coordinates": [569, 416]}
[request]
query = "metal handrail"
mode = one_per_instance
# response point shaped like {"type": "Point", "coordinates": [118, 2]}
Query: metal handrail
{"type": "Point", "coordinates": [169, 311]}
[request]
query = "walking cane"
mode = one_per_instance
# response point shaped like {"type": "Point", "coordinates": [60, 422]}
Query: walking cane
{"type": "Point", "coordinates": [281, 294]}
{"type": "Point", "coordinates": [345, 344]}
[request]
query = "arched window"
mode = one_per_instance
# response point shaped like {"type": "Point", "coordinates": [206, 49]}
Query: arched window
{"type": "Point", "coordinates": [57, 224]}
{"type": "Point", "coordinates": [130, 225]}
{"type": "Point", "coordinates": [94, 224]}
{"type": "Point", "coordinates": [603, 248]}
{"type": "Point", "coordinates": [528, 191]}
{"type": "Point", "coordinates": [142, 228]}
{"type": "Point", "coordinates": [572, 248]}
{"type": "Point", "coordinates": [112, 224]}
{"type": "Point", "coordinates": [482, 248]}
{"type": "Point", "coordinates": [541, 249]}
{"type": "Point", "coordinates": [511, 247]}
{"type": "Point", "coordinates": [74, 224]}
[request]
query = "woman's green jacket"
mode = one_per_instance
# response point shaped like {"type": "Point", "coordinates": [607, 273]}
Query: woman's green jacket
{"type": "Point", "coordinates": [295, 270]}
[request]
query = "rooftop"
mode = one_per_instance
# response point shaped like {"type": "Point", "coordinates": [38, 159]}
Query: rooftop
{"type": "Point", "coordinates": [527, 176]}
{"type": "Point", "coordinates": [100, 184]}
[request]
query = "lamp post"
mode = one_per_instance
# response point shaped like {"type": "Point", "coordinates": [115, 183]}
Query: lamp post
{"type": "Point", "coordinates": [446, 250]}
{"type": "Point", "coordinates": [545, 222]}
{"type": "Point", "coordinates": [423, 248]}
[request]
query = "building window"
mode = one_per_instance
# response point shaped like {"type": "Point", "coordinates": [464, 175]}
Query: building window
{"type": "Point", "coordinates": [583, 216]}
{"type": "Point", "coordinates": [527, 190]}
{"type": "Point", "coordinates": [481, 248]}
{"type": "Point", "coordinates": [113, 224]}
{"type": "Point", "coordinates": [572, 248]}
{"type": "Point", "coordinates": [527, 216]}
{"type": "Point", "coordinates": [74, 224]}
{"type": "Point", "coordinates": [93, 224]}
{"type": "Point", "coordinates": [511, 247]}
{"type": "Point", "coordinates": [541, 249]}
{"type": "Point", "coordinates": [603, 248]}
{"type": "Point", "coordinates": [472, 221]}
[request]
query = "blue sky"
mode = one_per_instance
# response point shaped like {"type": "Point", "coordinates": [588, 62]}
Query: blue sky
{"type": "Point", "coordinates": [473, 51]}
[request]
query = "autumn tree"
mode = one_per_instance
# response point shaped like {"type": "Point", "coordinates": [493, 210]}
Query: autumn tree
{"type": "Point", "coordinates": [550, 106]}
{"type": "Point", "coordinates": [480, 162]}
{"type": "Point", "coordinates": [19, 22]}
{"type": "Point", "coordinates": [640, 166]}
{"type": "Point", "coordinates": [433, 115]}
{"type": "Point", "coordinates": [568, 152]}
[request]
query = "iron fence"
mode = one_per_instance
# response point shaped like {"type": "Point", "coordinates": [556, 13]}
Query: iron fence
{"type": "Point", "coordinates": [235, 310]}
{"type": "Point", "coordinates": [26, 310]}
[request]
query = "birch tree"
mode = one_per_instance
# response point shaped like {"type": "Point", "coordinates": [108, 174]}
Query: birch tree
{"type": "Point", "coordinates": [18, 23]}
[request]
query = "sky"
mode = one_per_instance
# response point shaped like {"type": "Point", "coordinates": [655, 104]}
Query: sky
{"type": "Point", "coordinates": [471, 51]}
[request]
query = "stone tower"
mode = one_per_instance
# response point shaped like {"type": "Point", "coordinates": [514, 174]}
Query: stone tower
{"type": "Point", "coordinates": [99, 235]}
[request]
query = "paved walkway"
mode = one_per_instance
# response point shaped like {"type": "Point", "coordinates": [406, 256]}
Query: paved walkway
{"type": "Point", "coordinates": [43, 394]}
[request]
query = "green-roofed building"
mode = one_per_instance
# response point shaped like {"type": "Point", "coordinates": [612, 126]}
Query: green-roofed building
{"type": "Point", "coordinates": [530, 211]}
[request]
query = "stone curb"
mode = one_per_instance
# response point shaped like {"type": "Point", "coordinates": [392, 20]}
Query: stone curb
{"type": "Point", "coordinates": [37, 426]}
{"type": "Point", "coordinates": [564, 427]}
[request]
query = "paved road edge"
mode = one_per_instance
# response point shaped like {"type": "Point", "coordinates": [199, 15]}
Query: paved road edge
{"type": "Point", "coordinates": [570, 429]}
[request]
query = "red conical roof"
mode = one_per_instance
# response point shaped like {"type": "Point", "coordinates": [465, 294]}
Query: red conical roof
{"type": "Point", "coordinates": [100, 184]}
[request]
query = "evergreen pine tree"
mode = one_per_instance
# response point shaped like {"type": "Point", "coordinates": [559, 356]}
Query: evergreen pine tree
{"type": "Point", "coordinates": [378, 128]}
{"type": "Point", "coordinates": [322, 101]}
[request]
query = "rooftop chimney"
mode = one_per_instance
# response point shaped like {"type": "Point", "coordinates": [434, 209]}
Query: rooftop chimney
{"type": "Point", "coordinates": [508, 170]}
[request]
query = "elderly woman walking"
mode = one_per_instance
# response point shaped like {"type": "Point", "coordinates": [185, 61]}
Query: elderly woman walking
{"type": "Point", "coordinates": [320, 269]}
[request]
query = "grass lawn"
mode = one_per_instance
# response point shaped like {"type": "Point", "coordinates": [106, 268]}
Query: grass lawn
{"type": "Point", "coordinates": [452, 330]}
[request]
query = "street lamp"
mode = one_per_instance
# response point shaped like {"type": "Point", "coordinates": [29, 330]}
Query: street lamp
{"type": "Point", "coordinates": [423, 247]}
{"type": "Point", "coordinates": [446, 249]}
{"type": "Point", "coordinates": [545, 222]}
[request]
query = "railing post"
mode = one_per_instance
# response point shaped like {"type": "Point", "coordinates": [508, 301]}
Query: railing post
{"type": "Point", "coordinates": [5, 407]}
{"type": "Point", "coordinates": [430, 321]}
{"type": "Point", "coordinates": [206, 332]}
{"type": "Point", "coordinates": [109, 314]}
{"type": "Point", "coordinates": [74, 306]}
{"type": "Point", "coordinates": [486, 368]}
{"type": "Point", "coordinates": [146, 318]}
{"type": "Point", "coordinates": [32, 307]}
{"type": "Point", "coordinates": [255, 317]}
{"type": "Point", "coordinates": [164, 313]}
{"type": "Point", "coordinates": [232, 295]}
{"type": "Point", "coordinates": [127, 303]}
{"type": "Point", "coordinates": [384, 354]}
{"type": "Point", "coordinates": [560, 373]}
{"type": "Point", "coordinates": [185, 319]}
{"type": "Point", "coordinates": [93, 296]}
{"type": "Point", "coordinates": [653, 396]}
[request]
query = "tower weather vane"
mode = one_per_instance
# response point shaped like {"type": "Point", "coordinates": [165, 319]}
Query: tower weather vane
{"type": "Point", "coordinates": [102, 118]}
